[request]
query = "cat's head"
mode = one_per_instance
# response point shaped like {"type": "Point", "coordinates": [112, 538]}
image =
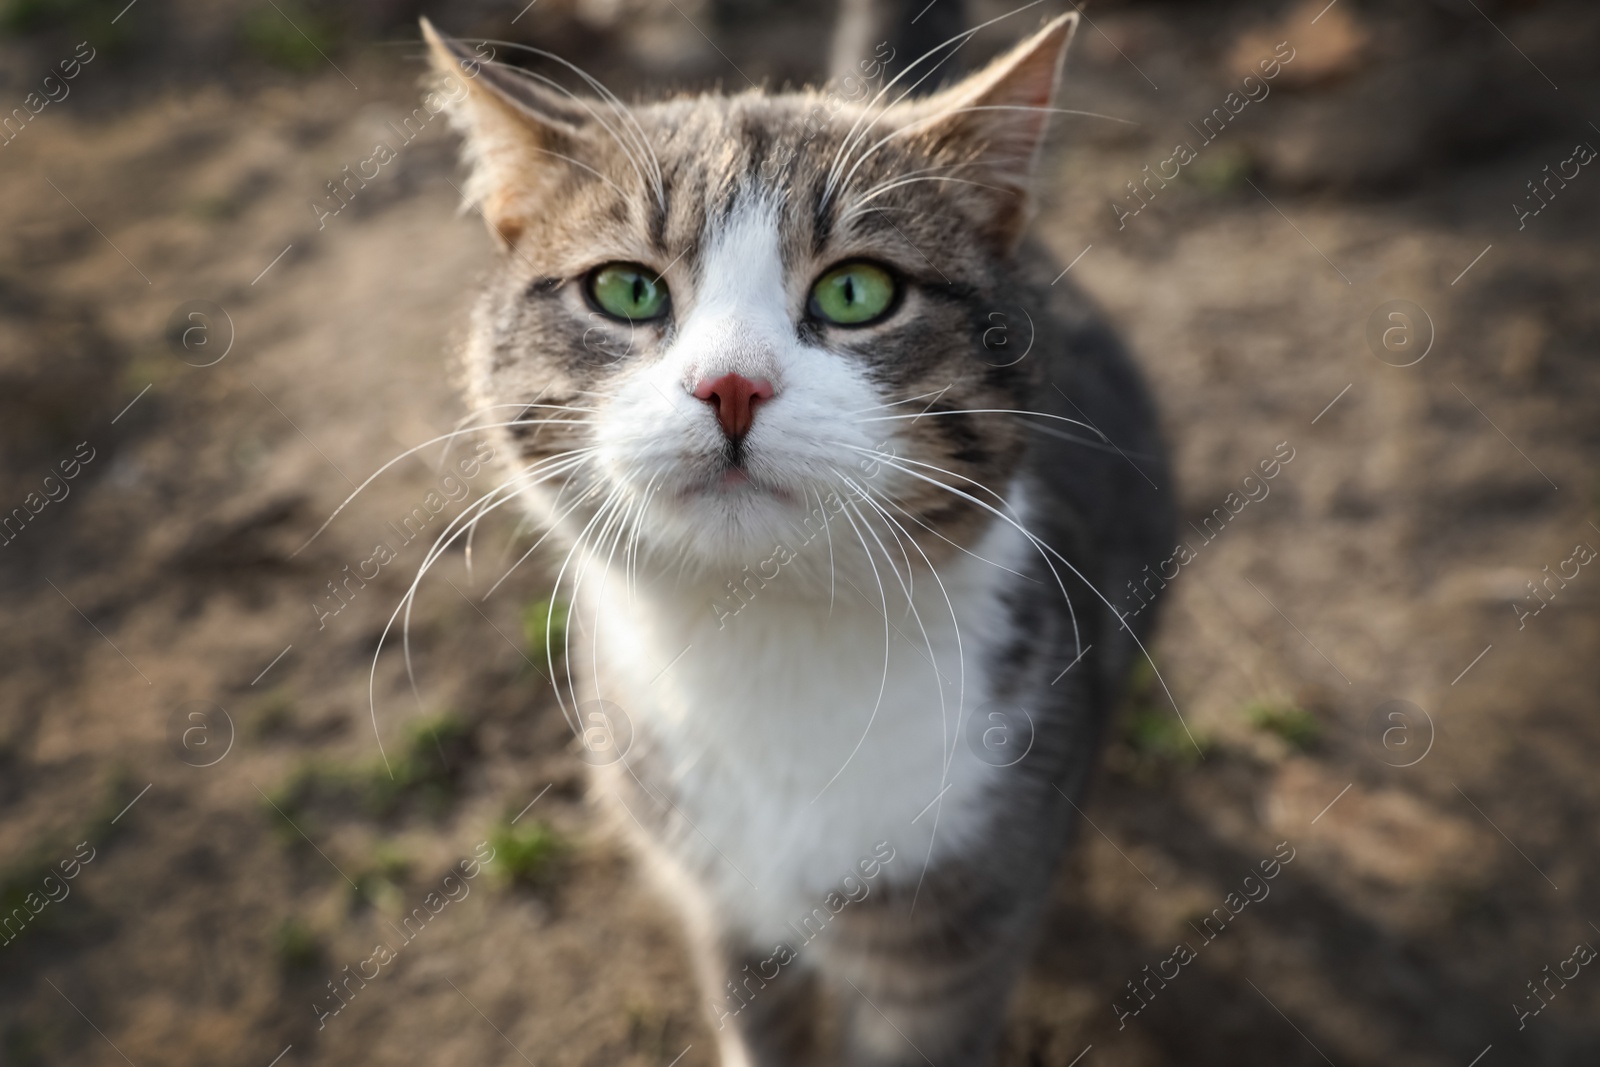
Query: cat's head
{"type": "Point", "coordinates": [721, 313]}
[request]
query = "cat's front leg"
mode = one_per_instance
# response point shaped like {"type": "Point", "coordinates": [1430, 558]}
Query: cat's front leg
{"type": "Point", "coordinates": [929, 983]}
{"type": "Point", "coordinates": [901, 1014]}
{"type": "Point", "coordinates": [763, 1005]}
{"type": "Point", "coordinates": [761, 1000]}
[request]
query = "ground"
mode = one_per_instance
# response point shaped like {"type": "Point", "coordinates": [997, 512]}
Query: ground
{"type": "Point", "coordinates": [188, 732]}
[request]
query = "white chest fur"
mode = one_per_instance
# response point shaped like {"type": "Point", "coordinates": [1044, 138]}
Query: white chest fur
{"type": "Point", "coordinates": [793, 746]}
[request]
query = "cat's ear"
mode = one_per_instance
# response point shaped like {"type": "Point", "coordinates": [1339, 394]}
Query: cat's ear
{"type": "Point", "coordinates": [996, 119]}
{"type": "Point", "coordinates": [516, 132]}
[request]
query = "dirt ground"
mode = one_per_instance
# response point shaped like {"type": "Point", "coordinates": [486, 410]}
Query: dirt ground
{"type": "Point", "coordinates": [186, 731]}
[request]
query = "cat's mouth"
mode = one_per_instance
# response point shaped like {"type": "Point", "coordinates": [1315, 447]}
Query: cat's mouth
{"type": "Point", "coordinates": [731, 482]}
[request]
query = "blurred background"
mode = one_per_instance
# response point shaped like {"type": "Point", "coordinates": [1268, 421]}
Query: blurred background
{"type": "Point", "coordinates": [1384, 269]}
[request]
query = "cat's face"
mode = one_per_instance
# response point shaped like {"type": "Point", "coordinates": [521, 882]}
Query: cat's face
{"type": "Point", "coordinates": [729, 312]}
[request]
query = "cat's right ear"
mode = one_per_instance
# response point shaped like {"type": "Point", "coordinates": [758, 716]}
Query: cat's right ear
{"type": "Point", "coordinates": [994, 122]}
{"type": "Point", "coordinates": [516, 132]}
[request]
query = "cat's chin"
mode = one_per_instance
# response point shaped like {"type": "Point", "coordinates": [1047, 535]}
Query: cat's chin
{"type": "Point", "coordinates": [728, 515]}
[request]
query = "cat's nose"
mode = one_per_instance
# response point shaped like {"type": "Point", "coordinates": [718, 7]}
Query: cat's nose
{"type": "Point", "coordinates": [733, 397]}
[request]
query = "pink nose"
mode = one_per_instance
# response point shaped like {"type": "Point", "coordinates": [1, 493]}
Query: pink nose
{"type": "Point", "coordinates": [733, 397]}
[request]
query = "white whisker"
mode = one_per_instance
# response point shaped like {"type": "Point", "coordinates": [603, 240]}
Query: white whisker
{"type": "Point", "coordinates": [948, 742]}
{"type": "Point", "coordinates": [883, 684]}
{"type": "Point", "coordinates": [955, 623]}
{"type": "Point", "coordinates": [578, 545]}
{"type": "Point", "coordinates": [554, 525]}
{"type": "Point", "coordinates": [1088, 584]}
{"type": "Point", "coordinates": [417, 448]}
{"type": "Point", "coordinates": [986, 411]}
{"type": "Point", "coordinates": [605, 577]}
{"type": "Point", "coordinates": [452, 531]}
{"type": "Point", "coordinates": [935, 393]}
{"type": "Point", "coordinates": [887, 499]}
{"type": "Point", "coordinates": [1039, 544]}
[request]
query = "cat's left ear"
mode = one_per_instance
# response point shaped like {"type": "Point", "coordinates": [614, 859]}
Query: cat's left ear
{"type": "Point", "coordinates": [996, 120]}
{"type": "Point", "coordinates": [520, 136]}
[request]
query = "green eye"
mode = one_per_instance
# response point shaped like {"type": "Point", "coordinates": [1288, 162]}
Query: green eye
{"type": "Point", "coordinates": [853, 294]}
{"type": "Point", "coordinates": [628, 291]}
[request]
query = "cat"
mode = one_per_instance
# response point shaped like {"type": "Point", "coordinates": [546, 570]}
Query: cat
{"type": "Point", "coordinates": [843, 483]}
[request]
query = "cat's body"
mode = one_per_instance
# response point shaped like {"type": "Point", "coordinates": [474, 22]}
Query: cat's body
{"type": "Point", "coordinates": [833, 620]}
